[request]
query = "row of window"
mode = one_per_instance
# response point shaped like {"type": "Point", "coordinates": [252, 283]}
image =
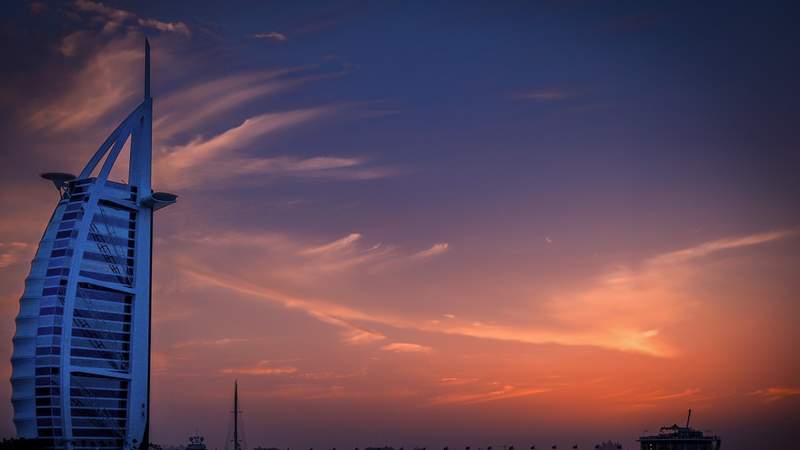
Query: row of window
{"type": "Point", "coordinates": [99, 325]}
{"type": "Point", "coordinates": [121, 260]}
{"type": "Point", "coordinates": [101, 321]}
{"type": "Point", "coordinates": [99, 354]}
{"type": "Point", "coordinates": [111, 240]}
{"type": "Point", "coordinates": [96, 292]}
{"type": "Point", "coordinates": [95, 314]}
{"type": "Point", "coordinates": [104, 335]}
{"type": "Point", "coordinates": [83, 423]}
{"type": "Point", "coordinates": [124, 279]}
{"type": "Point", "coordinates": [96, 444]}
{"type": "Point", "coordinates": [54, 401]}
{"type": "Point", "coordinates": [101, 305]}
{"type": "Point", "coordinates": [127, 223]}
{"type": "Point", "coordinates": [108, 364]}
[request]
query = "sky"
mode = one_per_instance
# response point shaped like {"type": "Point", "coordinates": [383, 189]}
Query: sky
{"type": "Point", "coordinates": [437, 223]}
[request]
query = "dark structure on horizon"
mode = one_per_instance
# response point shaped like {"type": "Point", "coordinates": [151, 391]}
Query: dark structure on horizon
{"type": "Point", "coordinates": [676, 437]}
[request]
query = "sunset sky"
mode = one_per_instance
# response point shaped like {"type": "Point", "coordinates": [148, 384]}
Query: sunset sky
{"type": "Point", "coordinates": [437, 223]}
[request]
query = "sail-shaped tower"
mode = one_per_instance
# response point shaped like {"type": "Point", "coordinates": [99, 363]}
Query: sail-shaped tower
{"type": "Point", "coordinates": [81, 361]}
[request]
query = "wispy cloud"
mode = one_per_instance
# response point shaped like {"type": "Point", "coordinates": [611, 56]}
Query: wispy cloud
{"type": "Point", "coordinates": [435, 250]}
{"type": "Point", "coordinates": [356, 335]}
{"type": "Point", "coordinates": [661, 396]}
{"type": "Point", "coordinates": [337, 315]}
{"type": "Point", "coordinates": [204, 161]}
{"type": "Point", "coordinates": [347, 318]}
{"type": "Point", "coordinates": [105, 83]}
{"type": "Point", "coordinates": [716, 246]}
{"type": "Point", "coordinates": [116, 17]}
{"type": "Point", "coordinates": [208, 342]}
{"type": "Point", "coordinates": [273, 36]}
{"type": "Point", "coordinates": [300, 259]}
{"type": "Point", "coordinates": [212, 159]}
{"type": "Point", "coordinates": [192, 107]}
{"type": "Point", "coordinates": [102, 9]}
{"type": "Point", "coordinates": [202, 150]}
{"type": "Point", "coordinates": [70, 43]}
{"type": "Point", "coordinates": [311, 392]}
{"type": "Point", "coordinates": [172, 27]}
{"type": "Point", "coordinates": [406, 347]}
{"type": "Point", "coordinates": [504, 393]}
{"type": "Point", "coordinates": [262, 368]}
{"type": "Point", "coordinates": [12, 252]}
{"type": "Point", "coordinates": [619, 313]}
{"type": "Point", "coordinates": [772, 394]}
{"type": "Point", "coordinates": [454, 381]}
{"type": "Point", "coordinates": [335, 246]}
{"type": "Point", "coordinates": [110, 75]}
{"type": "Point", "coordinates": [633, 304]}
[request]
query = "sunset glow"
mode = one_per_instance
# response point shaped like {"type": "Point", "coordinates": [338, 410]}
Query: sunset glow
{"type": "Point", "coordinates": [437, 224]}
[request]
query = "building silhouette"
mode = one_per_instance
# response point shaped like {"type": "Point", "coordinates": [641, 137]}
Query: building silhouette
{"type": "Point", "coordinates": [676, 437]}
{"type": "Point", "coordinates": [81, 360]}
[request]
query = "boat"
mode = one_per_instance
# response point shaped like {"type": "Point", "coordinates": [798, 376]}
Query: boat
{"type": "Point", "coordinates": [196, 442]}
{"type": "Point", "coordinates": [678, 437]}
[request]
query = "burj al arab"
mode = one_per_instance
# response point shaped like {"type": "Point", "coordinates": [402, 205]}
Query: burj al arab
{"type": "Point", "coordinates": [81, 360]}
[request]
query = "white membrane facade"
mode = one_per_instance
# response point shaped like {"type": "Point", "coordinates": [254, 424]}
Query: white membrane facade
{"type": "Point", "coordinates": [81, 358]}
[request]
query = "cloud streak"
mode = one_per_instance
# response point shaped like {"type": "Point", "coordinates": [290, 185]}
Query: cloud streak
{"type": "Point", "coordinates": [719, 245]}
{"type": "Point", "coordinates": [633, 304]}
{"type": "Point", "coordinates": [326, 312]}
{"type": "Point", "coordinates": [172, 27]}
{"type": "Point", "coordinates": [507, 392]}
{"type": "Point", "coordinates": [12, 253]}
{"type": "Point", "coordinates": [105, 83]}
{"type": "Point", "coordinates": [204, 161]}
{"type": "Point", "coordinates": [335, 246]}
{"type": "Point", "coordinates": [406, 347]}
{"type": "Point", "coordinates": [347, 318]}
{"type": "Point", "coordinates": [116, 17]}
{"type": "Point", "coordinates": [774, 394]}
{"type": "Point", "coordinates": [435, 250]}
{"type": "Point", "coordinates": [192, 107]}
{"type": "Point", "coordinates": [273, 36]}
{"type": "Point", "coordinates": [574, 319]}
{"type": "Point", "coordinates": [262, 368]}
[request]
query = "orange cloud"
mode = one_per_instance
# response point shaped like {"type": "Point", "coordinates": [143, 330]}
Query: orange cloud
{"type": "Point", "coordinates": [205, 161]}
{"type": "Point", "coordinates": [436, 249]}
{"type": "Point", "coordinates": [406, 347]}
{"type": "Point", "coordinates": [505, 393]}
{"type": "Point", "coordinates": [773, 394]}
{"type": "Point", "coordinates": [12, 253]}
{"type": "Point", "coordinates": [622, 312]}
{"type": "Point", "coordinates": [107, 81]}
{"type": "Point", "coordinates": [346, 317]}
{"type": "Point", "coordinates": [337, 245]}
{"type": "Point", "coordinates": [262, 368]}
{"type": "Point", "coordinates": [190, 108]}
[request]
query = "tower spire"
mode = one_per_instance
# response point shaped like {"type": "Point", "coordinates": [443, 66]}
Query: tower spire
{"type": "Point", "coordinates": [146, 68]}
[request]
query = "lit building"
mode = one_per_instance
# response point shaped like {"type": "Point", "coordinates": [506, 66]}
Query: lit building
{"type": "Point", "coordinates": [81, 358]}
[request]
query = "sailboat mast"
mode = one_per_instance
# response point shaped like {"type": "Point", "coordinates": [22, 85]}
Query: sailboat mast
{"type": "Point", "coordinates": [236, 415]}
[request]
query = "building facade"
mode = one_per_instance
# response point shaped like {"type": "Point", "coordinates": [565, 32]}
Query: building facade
{"type": "Point", "coordinates": [81, 360]}
{"type": "Point", "coordinates": [680, 438]}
